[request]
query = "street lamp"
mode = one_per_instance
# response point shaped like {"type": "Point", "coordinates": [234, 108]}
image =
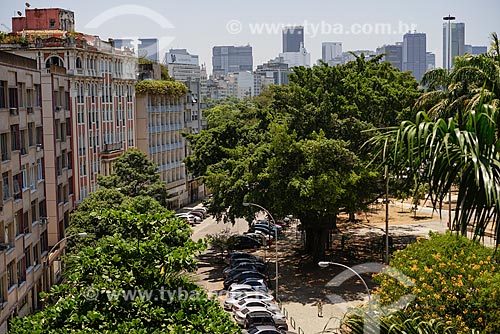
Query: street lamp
{"type": "Point", "coordinates": [449, 18]}
{"type": "Point", "coordinates": [324, 264]}
{"type": "Point", "coordinates": [80, 234]}
{"type": "Point", "coordinates": [275, 238]}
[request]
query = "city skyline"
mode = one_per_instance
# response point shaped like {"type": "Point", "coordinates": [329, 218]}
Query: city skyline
{"type": "Point", "coordinates": [189, 29]}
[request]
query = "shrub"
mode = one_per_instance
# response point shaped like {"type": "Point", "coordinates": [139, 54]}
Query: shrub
{"type": "Point", "coordinates": [455, 279]}
{"type": "Point", "coordinates": [161, 87]}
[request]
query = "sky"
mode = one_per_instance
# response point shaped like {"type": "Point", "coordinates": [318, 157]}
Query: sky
{"type": "Point", "coordinates": [198, 25]}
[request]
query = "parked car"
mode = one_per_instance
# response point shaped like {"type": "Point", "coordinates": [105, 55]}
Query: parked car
{"type": "Point", "coordinates": [273, 227]}
{"type": "Point", "coordinates": [255, 303]}
{"type": "Point", "coordinates": [244, 266]}
{"type": "Point", "coordinates": [241, 241]}
{"type": "Point", "coordinates": [264, 238]}
{"type": "Point", "coordinates": [262, 330]}
{"type": "Point", "coordinates": [241, 255]}
{"type": "Point", "coordinates": [259, 319]}
{"type": "Point", "coordinates": [239, 277]}
{"type": "Point", "coordinates": [189, 218]}
{"type": "Point", "coordinates": [237, 261]}
{"type": "Point", "coordinates": [187, 215]}
{"type": "Point", "coordinates": [197, 214]}
{"type": "Point", "coordinates": [256, 284]}
{"type": "Point", "coordinates": [236, 288]}
{"type": "Point", "coordinates": [231, 301]}
{"type": "Point", "coordinates": [241, 315]}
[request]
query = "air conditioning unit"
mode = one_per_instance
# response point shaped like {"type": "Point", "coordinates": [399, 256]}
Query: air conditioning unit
{"type": "Point", "coordinates": [58, 108]}
{"type": "Point", "coordinates": [39, 147]}
{"type": "Point", "coordinates": [29, 110]}
{"type": "Point", "coordinates": [14, 111]}
{"type": "Point", "coordinates": [44, 220]}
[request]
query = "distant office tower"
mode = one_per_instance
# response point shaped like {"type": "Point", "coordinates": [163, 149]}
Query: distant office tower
{"type": "Point", "coordinates": [331, 52]}
{"type": "Point", "coordinates": [475, 50]}
{"type": "Point", "coordinates": [275, 71]}
{"type": "Point", "coordinates": [293, 38]}
{"type": "Point", "coordinates": [457, 46]}
{"type": "Point", "coordinates": [229, 59]}
{"type": "Point", "coordinates": [123, 43]}
{"type": "Point", "coordinates": [182, 66]}
{"type": "Point", "coordinates": [430, 60]}
{"type": "Point", "coordinates": [392, 54]}
{"type": "Point", "coordinates": [149, 49]}
{"type": "Point", "coordinates": [414, 54]}
{"type": "Point", "coordinates": [300, 58]}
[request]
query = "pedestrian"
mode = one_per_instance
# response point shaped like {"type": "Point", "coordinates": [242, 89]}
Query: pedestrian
{"type": "Point", "coordinates": [320, 308]}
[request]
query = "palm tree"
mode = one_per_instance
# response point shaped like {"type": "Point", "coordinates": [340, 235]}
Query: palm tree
{"type": "Point", "coordinates": [443, 152]}
{"type": "Point", "coordinates": [456, 93]}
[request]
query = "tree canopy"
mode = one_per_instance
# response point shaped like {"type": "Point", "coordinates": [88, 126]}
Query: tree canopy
{"type": "Point", "coordinates": [298, 149]}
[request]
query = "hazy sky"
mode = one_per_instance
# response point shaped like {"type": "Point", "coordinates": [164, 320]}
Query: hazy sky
{"type": "Point", "coordinates": [199, 25]}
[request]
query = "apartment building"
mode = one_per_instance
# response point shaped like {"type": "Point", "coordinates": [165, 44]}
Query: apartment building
{"type": "Point", "coordinates": [23, 206]}
{"type": "Point", "coordinates": [101, 89]}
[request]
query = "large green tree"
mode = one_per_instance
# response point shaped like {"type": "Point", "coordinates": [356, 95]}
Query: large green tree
{"type": "Point", "coordinates": [135, 175]}
{"type": "Point", "coordinates": [298, 149]}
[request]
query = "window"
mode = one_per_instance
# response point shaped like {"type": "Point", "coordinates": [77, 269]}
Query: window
{"type": "Point", "coordinates": [4, 146]}
{"type": "Point", "coordinates": [3, 94]}
{"type": "Point", "coordinates": [11, 275]}
{"type": "Point", "coordinates": [39, 135]}
{"type": "Point", "coordinates": [3, 290]}
{"type": "Point", "coordinates": [32, 178]}
{"type": "Point", "coordinates": [13, 98]}
{"type": "Point", "coordinates": [21, 271]}
{"type": "Point", "coordinates": [24, 174]}
{"type": "Point", "coordinates": [24, 149]}
{"type": "Point", "coordinates": [70, 183]}
{"type": "Point", "coordinates": [78, 62]}
{"type": "Point", "coordinates": [27, 225]}
{"type": "Point", "coordinates": [37, 96]}
{"type": "Point", "coordinates": [44, 242]}
{"type": "Point", "coordinates": [58, 129]}
{"type": "Point", "coordinates": [6, 186]}
{"type": "Point", "coordinates": [52, 23]}
{"type": "Point", "coordinates": [34, 216]}
{"type": "Point", "coordinates": [22, 94]}
{"type": "Point", "coordinates": [31, 134]}
{"type": "Point", "coordinates": [39, 169]}
{"type": "Point", "coordinates": [15, 137]}
{"type": "Point", "coordinates": [42, 209]}
{"type": "Point", "coordinates": [69, 160]}
{"type": "Point", "coordinates": [18, 223]}
{"type": "Point", "coordinates": [17, 183]}
{"type": "Point", "coordinates": [36, 254]}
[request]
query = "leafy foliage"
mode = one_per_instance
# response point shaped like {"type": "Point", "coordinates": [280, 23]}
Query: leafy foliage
{"type": "Point", "coordinates": [135, 175]}
{"type": "Point", "coordinates": [455, 280]}
{"type": "Point", "coordinates": [161, 87]}
{"type": "Point", "coordinates": [297, 149]}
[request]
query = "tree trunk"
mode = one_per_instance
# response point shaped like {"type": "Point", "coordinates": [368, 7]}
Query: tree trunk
{"type": "Point", "coordinates": [352, 217]}
{"type": "Point", "coordinates": [317, 237]}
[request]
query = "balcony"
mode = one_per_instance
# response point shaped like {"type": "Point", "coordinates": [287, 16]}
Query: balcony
{"type": "Point", "coordinates": [111, 151]}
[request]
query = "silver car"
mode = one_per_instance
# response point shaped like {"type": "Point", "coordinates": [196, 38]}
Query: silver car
{"type": "Point", "coordinates": [232, 300]}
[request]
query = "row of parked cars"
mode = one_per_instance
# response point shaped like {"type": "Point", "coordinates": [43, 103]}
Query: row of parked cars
{"type": "Point", "coordinates": [260, 233]}
{"type": "Point", "coordinates": [248, 297]}
{"type": "Point", "coordinates": [194, 216]}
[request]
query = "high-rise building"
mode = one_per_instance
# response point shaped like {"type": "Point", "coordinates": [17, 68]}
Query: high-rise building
{"type": "Point", "coordinates": [23, 207]}
{"type": "Point", "coordinates": [149, 48]}
{"type": "Point", "coordinates": [392, 54]}
{"type": "Point", "coordinates": [414, 54]}
{"type": "Point", "coordinates": [123, 44]}
{"type": "Point", "coordinates": [293, 38]}
{"type": "Point", "coordinates": [276, 70]}
{"type": "Point", "coordinates": [230, 59]}
{"type": "Point", "coordinates": [300, 58]}
{"type": "Point", "coordinates": [457, 46]}
{"type": "Point", "coordinates": [431, 61]}
{"type": "Point", "coordinates": [182, 66]}
{"type": "Point", "coordinates": [331, 53]}
{"type": "Point", "coordinates": [476, 50]}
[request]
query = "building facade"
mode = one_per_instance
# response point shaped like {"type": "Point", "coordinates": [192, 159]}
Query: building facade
{"type": "Point", "coordinates": [456, 34]}
{"type": "Point", "coordinates": [149, 48]}
{"type": "Point", "coordinates": [414, 54]}
{"type": "Point", "coordinates": [476, 50]}
{"type": "Point", "coordinates": [230, 59]}
{"type": "Point", "coordinates": [293, 38]}
{"type": "Point", "coordinates": [23, 206]}
{"type": "Point", "coordinates": [331, 53]}
{"type": "Point", "coordinates": [182, 66]}
{"type": "Point", "coordinates": [431, 61]}
{"type": "Point", "coordinates": [392, 54]}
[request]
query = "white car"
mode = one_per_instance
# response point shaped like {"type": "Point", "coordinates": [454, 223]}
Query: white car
{"type": "Point", "coordinates": [231, 301]}
{"type": "Point", "coordinates": [245, 303]}
{"type": "Point", "coordinates": [241, 315]}
{"type": "Point", "coordinates": [236, 289]}
{"type": "Point", "coordinates": [189, 217]}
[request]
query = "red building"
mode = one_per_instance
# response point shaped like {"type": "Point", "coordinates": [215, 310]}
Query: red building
{"type": "Point", "coordinates": [45, 19]}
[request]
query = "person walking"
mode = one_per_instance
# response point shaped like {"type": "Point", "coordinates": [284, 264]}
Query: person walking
{"type": "Point", "coordinates": [320, 308]}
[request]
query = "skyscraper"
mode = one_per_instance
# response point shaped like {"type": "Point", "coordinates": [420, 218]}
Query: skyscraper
{"type": "Point", "coordinates": [331, 52]}
{"type": "Point", "coordinates": [230, 59]}
{"type": "Point", "coordinates": [414, 54]}
{"type": "Point", "coordinates": [457, 47]}
{"type": "Point", "coordinates": [431, 61]}
{"type": "Point", "coordinates": [293, 38]}
{"type": "Point", "coordinates": [392, 54]}
{"type": "Point", "coordinates": [475, 50]}
{"type": "Point", "coordinates": [149, 49]}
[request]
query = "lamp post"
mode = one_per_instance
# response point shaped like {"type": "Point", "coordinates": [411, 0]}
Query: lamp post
{"type": "Point", "coordinates": [449, 18]}
{"type": "Point", "coordinates": [81, 234]}
{"type": "Point", "coordinates": [275, 239]}
{"type": "Point", "coordinates": [324, 264]}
